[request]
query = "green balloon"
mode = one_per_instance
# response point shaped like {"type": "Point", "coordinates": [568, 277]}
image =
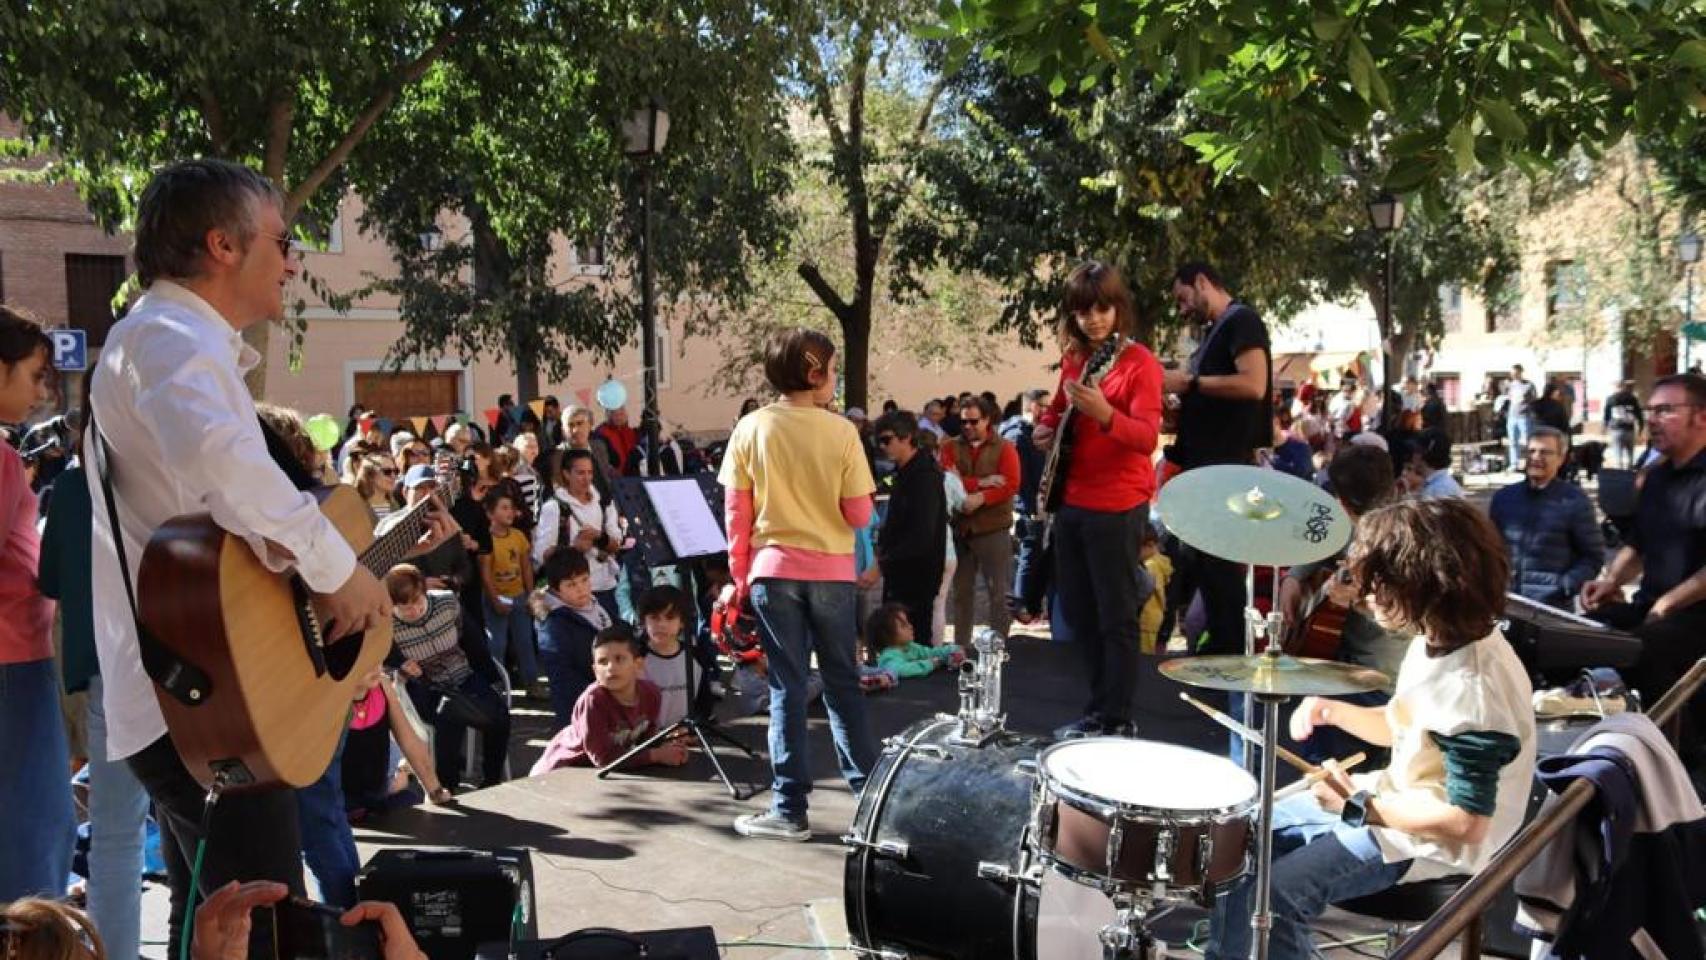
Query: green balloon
{"type": "Point", "coordinates": [323, 430]}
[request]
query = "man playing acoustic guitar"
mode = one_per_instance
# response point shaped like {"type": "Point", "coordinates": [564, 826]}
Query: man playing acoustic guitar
{"type": "Point", "coordinates": [213, 253]}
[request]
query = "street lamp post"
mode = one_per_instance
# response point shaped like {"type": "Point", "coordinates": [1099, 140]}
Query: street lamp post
{"type": "Point", "coordinates": [643, 139]}
{"type": "Point", "coordinates": [1386, 215]}
{"type": "Point", "coordinates": [1688, 251]}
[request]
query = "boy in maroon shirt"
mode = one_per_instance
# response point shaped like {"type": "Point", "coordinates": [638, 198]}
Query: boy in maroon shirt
{"type": "Point", "coordinates": [618, 711]}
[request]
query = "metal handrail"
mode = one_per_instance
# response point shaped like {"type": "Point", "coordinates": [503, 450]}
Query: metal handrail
{"type": "Point", "coordinates": [1480, 890]}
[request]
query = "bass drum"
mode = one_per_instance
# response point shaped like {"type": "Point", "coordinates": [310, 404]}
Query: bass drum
{"type": "Point", "coordinates": [938, 861]}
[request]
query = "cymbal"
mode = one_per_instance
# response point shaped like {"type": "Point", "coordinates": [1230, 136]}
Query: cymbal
{"type": "Point", "coordinates": [1251, 515]}
{"type": "Point", "coordinates": [1279, 675]}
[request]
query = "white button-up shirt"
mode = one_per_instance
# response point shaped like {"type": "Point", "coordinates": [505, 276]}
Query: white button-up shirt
{"type": "Point", "coordinates": [169, 397]}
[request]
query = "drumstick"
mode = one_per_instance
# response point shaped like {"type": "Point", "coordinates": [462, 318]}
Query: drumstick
{"type": "Point", "coordinates": [1249, 734]}
{"type": "Point", "coordinates": [1312, 779]}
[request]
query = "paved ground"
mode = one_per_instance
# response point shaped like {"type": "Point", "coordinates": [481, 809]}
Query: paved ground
{"type": "Point", "coordinates": [656, 850]}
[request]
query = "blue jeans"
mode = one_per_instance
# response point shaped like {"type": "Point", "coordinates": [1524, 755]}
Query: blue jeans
{"type": "Point", "coordinates": [1516, 437]}
{"type": "Point", "coordinates": [1318, 860]}
{"type": "Point", "coordinates": [512, 631]}
{"type": "Point", "coordinates": [118, 816]}
{"type": "Point", "coordinates": [328, 844]}
{"type": "Point", "coordinates": [38, 830]}
{"type": "Point", "coordinates": [796, 619]}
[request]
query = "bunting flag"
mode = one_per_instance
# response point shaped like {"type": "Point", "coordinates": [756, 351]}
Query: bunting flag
{"type": "Point", "coordinates": [440, 422]}
{"type": "Point", "coordinates": [538, 407]}
{"type": "Point", "coordinates": [420, 425]}
{"type": "Point", "coordinates": [584, 395]}
{"type": "Point", "coordinates": [367, 423]}
{"type": "Point", "coordinates": [492, 414]}
{"type": "Point", "coordinates": [385, 426]}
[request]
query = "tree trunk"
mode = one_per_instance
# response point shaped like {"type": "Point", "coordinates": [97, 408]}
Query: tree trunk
{"type": "Point", "coordinates": [492, 270]}
{"type": "Point", "coordinates": [856, 366]}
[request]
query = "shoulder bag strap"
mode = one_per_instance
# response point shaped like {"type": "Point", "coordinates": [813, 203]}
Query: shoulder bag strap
{"type": "Point", "coordinates": [185, 681]}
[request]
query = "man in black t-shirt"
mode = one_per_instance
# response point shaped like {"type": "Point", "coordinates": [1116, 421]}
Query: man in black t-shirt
{"type": "Point", "coordinates": [1225, 390]}
{"type": "Point", "coordinates": [1225, 396]}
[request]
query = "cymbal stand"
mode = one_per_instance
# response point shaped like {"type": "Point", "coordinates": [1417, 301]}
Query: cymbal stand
{"type": "Point", "coordinates": [1262, 921]}
{"type": "Point", "coordinates": [1257, 627]}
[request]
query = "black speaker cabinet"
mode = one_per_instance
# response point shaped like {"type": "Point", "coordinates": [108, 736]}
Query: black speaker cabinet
{"type": "Point", "coordinates": [456, 900]}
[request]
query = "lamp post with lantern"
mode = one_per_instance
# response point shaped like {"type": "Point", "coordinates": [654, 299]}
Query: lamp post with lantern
{"type": "Point", "coordinates": [644, 135]}
{"type": "Point", "coordinates": [1386, 216]}
{"type": "Point", "coordinates": [1688, 251]}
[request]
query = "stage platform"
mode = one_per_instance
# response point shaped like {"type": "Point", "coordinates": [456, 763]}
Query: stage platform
{"type": "Point", "coordinates": [657, 849]}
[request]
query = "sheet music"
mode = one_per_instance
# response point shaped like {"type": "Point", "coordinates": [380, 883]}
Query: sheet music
{"type": "Point", "coordinates": [686, 518]}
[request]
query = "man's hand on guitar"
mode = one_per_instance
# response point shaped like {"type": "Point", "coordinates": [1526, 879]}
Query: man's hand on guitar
{"type": "Point", "coordinates": [361, 604]}
{"type": "Point", "coordinates": [441, 526]}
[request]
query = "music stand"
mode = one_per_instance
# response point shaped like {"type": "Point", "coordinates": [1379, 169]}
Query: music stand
{"type": "Point", "coordinates": [657, 537]}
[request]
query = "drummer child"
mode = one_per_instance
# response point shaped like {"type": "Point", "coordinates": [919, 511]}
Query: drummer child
{"type": "Point", "coordinates": [1460, 727]}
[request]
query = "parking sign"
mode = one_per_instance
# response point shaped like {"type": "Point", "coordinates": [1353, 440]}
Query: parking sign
{"type": "Point", "coordinates": [70, 350]}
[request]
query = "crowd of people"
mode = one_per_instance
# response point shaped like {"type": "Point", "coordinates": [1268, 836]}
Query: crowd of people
{"type": "Point", "coordinates": [858, 547]}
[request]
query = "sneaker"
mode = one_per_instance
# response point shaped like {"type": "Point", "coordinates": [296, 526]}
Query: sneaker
{"type": "Point", "coordinates": [1125, 728]}
{"type": "Point", "coordinates": [773, 826]}
{"type": "Point", "coordinates": [1087, 727]}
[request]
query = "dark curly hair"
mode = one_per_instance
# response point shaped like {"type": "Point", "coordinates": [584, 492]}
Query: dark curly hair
{"type": "Point", "coordinates": [1438, 566]}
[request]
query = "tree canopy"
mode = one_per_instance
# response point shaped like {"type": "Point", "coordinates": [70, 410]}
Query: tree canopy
{"type": "Point", "coordinates": [1441, 88]}
{"type": "Point", "coordinates": [520, 135]}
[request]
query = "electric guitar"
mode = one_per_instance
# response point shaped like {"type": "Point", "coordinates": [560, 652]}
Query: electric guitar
{"type": "Point", "coordinates": [1051, 488]}
{"type": "Point", "coordinates": [1028, 590]}
{"type": "Point", "coordinates": [278, 695]}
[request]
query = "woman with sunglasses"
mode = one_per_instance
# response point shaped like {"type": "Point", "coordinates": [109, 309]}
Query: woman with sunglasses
{"type": "Point", "coordinates": [376, 481]}
{"type": "Point", "coordinates": [1108, 483]}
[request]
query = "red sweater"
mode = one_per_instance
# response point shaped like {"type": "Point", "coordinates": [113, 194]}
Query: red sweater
{"type": "Point", "coordinates": [1111, 468]}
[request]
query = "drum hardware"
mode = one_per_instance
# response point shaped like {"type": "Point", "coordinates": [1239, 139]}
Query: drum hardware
{"type": "Point", "coordinates": [1272, 678]}
{"type": "Point", "coordinates": [893, 849]}
{"type": "Point", "coordinates": [980, 714]}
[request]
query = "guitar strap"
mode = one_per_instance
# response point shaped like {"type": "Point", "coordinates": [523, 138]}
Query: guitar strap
{"type": "Point", "coordinates": [186, 682]}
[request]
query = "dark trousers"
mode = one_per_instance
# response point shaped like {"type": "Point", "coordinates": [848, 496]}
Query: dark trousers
{"type": "Point", "coordinates": [1222, 584]}
{"type": "Point", "coordinates": [251, 836]}
{"type": "Point", "coordinates": [448, 733]}
{"type": "Point", "coordinates": [1101, 586]}
{"type": "Point", "coordinates": [914, 589]}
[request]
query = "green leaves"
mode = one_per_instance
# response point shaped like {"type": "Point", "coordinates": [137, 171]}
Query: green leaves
{"type": "Point", "coordinates": [1691, 54]}
{"type": "Point", "coordinates": [1502, 120]}
{"type": "Point", "coordinates": [1532, 89]}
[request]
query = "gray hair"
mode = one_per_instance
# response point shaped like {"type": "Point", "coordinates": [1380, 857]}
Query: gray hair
{"type": "Point", "coordinates": [1551, 433]}
{"type": "Point", "coordinates": [183, 202]}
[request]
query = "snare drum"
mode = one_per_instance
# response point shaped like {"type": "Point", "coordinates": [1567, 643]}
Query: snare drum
{"type": "Point", "coordinates": [1144, 818]}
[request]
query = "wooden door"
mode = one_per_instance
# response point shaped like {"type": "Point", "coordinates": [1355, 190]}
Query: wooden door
{"type": "Point", "coordinates": [398, 396]}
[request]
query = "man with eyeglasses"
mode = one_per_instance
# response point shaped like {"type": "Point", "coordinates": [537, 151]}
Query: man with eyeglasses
{"type": "Point", "coordinates": [1667, 545]}
{"type": "Point", "coordinates": [213, 255]}
{"type": "Point", "coordinates": [912, 545]}
{"type": "Point", "coordinates": [1548, 526]}
{"type": "Point", "coordinates": [983, 532]}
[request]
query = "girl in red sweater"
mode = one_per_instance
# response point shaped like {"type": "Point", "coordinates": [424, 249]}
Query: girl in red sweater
{"type": "Point", "coordinates": [1109, 480]}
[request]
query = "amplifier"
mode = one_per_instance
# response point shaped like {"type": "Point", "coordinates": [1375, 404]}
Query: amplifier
{"type": "Point", "coordinates": [603, 943]}
{"type": "Point", "coordinates": [455, 900]}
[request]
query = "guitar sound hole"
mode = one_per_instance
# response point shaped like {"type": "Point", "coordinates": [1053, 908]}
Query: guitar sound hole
{"type": "Point", "coordinates": [341, 656]}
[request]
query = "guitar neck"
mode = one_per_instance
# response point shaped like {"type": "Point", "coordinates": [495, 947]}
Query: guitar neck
{"type": "Point", "coordinates": [390, 548]}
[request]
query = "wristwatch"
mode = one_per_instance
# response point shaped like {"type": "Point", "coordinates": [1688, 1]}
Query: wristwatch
{"type": "Point", "coordinates": [1356, 809]}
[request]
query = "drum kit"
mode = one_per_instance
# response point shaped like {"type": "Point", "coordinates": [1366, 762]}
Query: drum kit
{"type": "Point", "coordinates": [964, 821]}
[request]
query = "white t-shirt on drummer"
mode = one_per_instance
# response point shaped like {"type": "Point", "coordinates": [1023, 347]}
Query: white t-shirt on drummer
{"type": "Point", "coordinates": [1480, 687]}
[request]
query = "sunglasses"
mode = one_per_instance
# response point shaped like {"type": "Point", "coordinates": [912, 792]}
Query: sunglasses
{"type": "Point", "coordinates": [884, 439]}
{"type": "Point", "coordinates": [286, 246]}
{"type": "Point", "coordinates": [970, 421]}
{"type": "Point", "coordinates": [388, 471]}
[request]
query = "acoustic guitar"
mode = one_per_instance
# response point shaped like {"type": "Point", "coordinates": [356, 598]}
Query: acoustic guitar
{"type": "Point", "coordinates": [278, 695]}
{"type": "Point", "coordinates": [1321, 628]}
